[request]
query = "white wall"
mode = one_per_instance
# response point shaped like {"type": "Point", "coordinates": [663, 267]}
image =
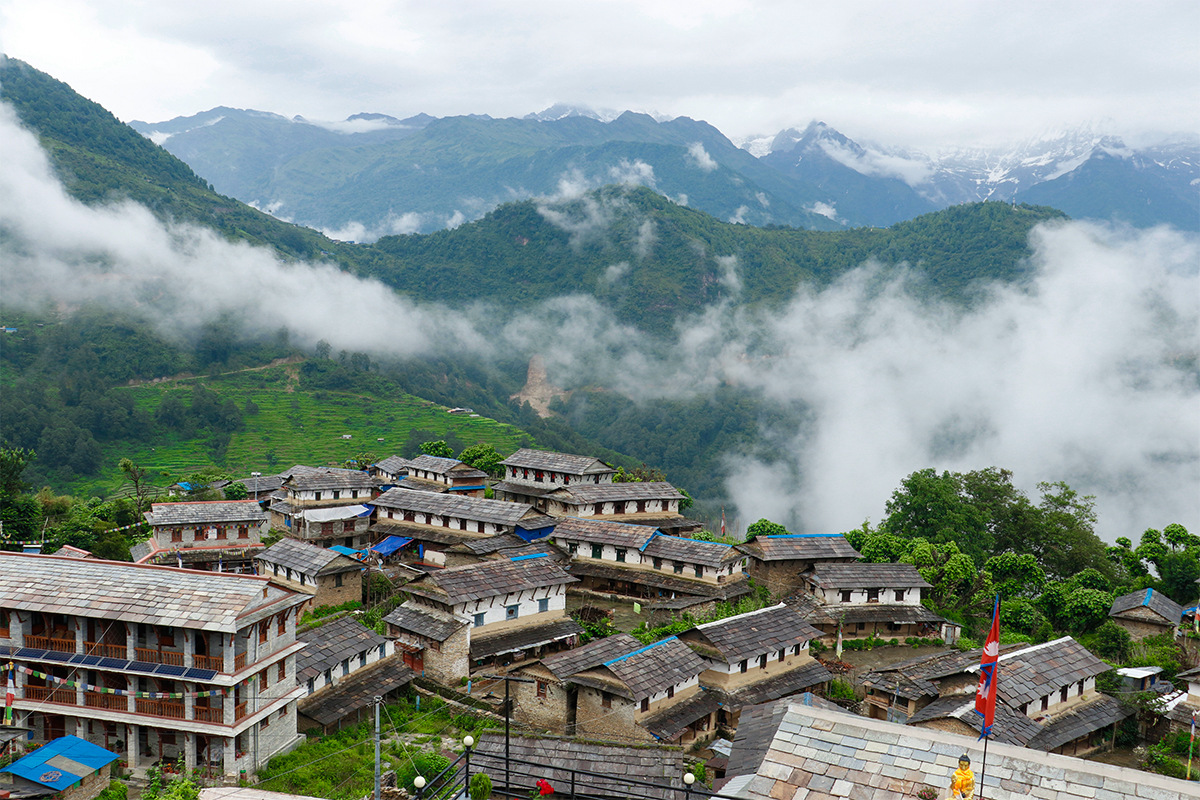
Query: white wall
{"type": "Point", "coordinates": [495, 609]}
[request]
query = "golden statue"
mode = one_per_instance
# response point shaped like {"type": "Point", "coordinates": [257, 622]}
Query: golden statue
{"type": "Point", "coordinates": [962, 784]}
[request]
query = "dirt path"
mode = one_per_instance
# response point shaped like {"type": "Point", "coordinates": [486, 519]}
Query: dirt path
{"type": "Point", "coordinates": [293, 373]}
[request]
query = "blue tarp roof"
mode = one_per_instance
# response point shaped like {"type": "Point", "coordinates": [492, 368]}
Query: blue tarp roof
{"type": "Point", "coordinates": [62, 762]}
{"type": "Point", "coordinates": [390, 545]}
{"type": "Point", "coordinates": [346, 551]}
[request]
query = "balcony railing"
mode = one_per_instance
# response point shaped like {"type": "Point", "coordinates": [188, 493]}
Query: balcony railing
{"type": "Point", "coordinates": [206, 714]}
{"type": "Point", "coordinates": [239, 661]}
{"type": "Point", "coordinates": [160, 708]}
{"type": "Point", "coordinates": [239, 711]}
{"type": "Point", "coordinates": [50, 694]}
{"type": "Point", "coordinates": [159, 656]}
{"type": "Point", "coordinates": [210, 662]}
{"type": "Point", "coordinates": [113, 702]}
{"type": "Point", "coordinates": [104, 649]}
{"type": "Point", "coordinates": [48, 643]}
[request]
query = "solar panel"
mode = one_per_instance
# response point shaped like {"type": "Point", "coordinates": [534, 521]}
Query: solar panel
{"type": "Point", "coordinates": [200, 674]}
{"type": "Point", "coordinates": [114, 663]}
{"type": "Point", "coordinates": [169, 669]}
{"type": "Point", "coordinates": [5, 649]}
{"type": "Point", "coordinates": [90, 661]}
{"type": "Point", "coordinates": [140, 666]}
{"type": "Point", "coordinates": [30, 652]}
{"type": "Point", "coordinates": [54, 655]}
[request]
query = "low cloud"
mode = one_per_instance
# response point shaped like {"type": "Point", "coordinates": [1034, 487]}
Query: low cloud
{"type": "Point", "coordinates": [871, 162]}
{"type": "Point", "coordinates": [701, 157]}
{"type": "Point", "coordinates": [825, 210]}
{"type": "Point", "coordinates": [636, 173]}
{"type": "Point", "coordinates": [392, 225]}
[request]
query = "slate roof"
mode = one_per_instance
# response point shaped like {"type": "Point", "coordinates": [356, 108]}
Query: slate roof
{"type": "Point", "coordinates": [756, 728]}
{"type": "Point", "coordinates": [598, 531]}
{"type": "Point", "coordinates": [392, 464]}
{"type": "Point", "coordinates": [788, 683]}
{"type": "Point", "coordinates": [1034, 672]}
{"type": "Point", "coordinates": [663, 579]}
{"type": "Point", "coordinates": [327, 478]}
{"type": "Point", "coordinates": [443, 466]}
{"type": "Point", "coordinates": [651, 669]}
{"type": "Point", "coordinates": [522, 489]}
{"type": "Point", "coordinates": [355, 691]}
{"type": "Point", "coordinates": [592, 654]}
{"type": "Point", "coordinates": [867, 576]}
{"type": "Point", "coordinates": [1080, 721]}
{"type": "Point", "coordinates": [420, 485]}
{"type": "Point", "coordinates": [602, 771]}
{"type": "Point", "coordinates": [423, 533]}
{"type": "Point", "coordinates": [913, 679]}
{"type": "Point", "coordinates": [745, 635]}
{"type": "Point", "coordinates": [615, 492]}
{"type": "Point", "coordinates": [692, 551]}
{"type": "Point", "coordinates": [515, 640]}
{"type": "Point", "coordinates": [1157, 602]}
{"type": "Point", "coordinates": [557, 462]}
{"type": "Point", "coordinates": [454, 505]}
{"type": "Point", "coordinates": [307, 558]}
{"type": "Point", "coordinates": [801, 547]}
{"type": "Point", "coordinates": [901, 614]}
{"type": "Point", "coordinates": [211, 601]}
{"type": "Point", "coordinates": [672, 720]}
{"type": "Point", "coordinates": [261, 483]}
{"type": "Point", "coordinates": [1009, 726]}
{"type": "Point", "coordinates": [208, 512]}
{"type": "Point", "coordinates": [427, 622]}
{"type": "Point", "coordinates": [455, 585]}
{"type": "Point", "coordinates": [333, 643]}
{"type": "Point", "coordinates": [886, 761]}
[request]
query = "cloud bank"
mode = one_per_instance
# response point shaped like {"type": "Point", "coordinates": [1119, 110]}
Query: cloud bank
{"type": "Point", "coordinates": [1087, 374]}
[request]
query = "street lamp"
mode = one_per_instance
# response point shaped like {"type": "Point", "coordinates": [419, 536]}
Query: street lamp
{"type": "Point", "coordinates": [468, 742]}
{"type": "Point", "coordinates": [419, 784]}
{"type": "Point", "coordinates": [688, 780]}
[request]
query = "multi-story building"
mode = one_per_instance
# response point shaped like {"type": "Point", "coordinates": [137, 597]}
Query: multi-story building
{"type": "Point", "coordinates": [435, 474]}
{"type": "Point", "coordinates": [778, 562]}
{"type": "Point", "coordinates": [530, 475]}
{"type": "Point", "coordinates": [325, 506]}
{"type": "Point", "coordinates": [219, 535]}
{"type": "Point", "coordinates": [490, 613]}
{"type": "Point", "coordinates": [649, 503]}
{"type": "Point", "coordinates": [155, 663]}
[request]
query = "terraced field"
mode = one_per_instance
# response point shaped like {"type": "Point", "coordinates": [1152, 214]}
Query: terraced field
{"type": "Point", "coordinates": [293, 426]}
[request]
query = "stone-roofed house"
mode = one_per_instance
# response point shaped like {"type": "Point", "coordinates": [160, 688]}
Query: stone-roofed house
{"type": "Point", "coordinates": [226, 643]}
{"type": "Point", "coordinates": [325, 505]}
{"type": "Point", "coordinates": [778, 561]}
{"type": "Point", "coordinates": [435, 522]}
{"type": "Point", "coordinates": [491, 613]}
{"type": "Point", "coordinates": [329, 576]}
{"type": "Point", "coordinates": [1182, 708]}
{"type": "Point", "coordinates": [435, 474]}
{"type": "Point", "coordinates": [502, 546]}
{"type": "Point", "coordinates": [390, 471]}
{"type": "Point", "coordinates": [865, 600]}
{"type": "Point", "coordinates": [756, 657]}
{"type": "Point", "coordinates": [218, 535]}
{"type": "Point", "coordinates": [649, 502]}
{"type": "Point", "coordinates": [530, 475]}
{"type": "Point", "coordinates": [817, 754]}
{"type": "Point", "coordinates": [343, 666]}
{"type": "Point", "coordinates": [1146, 613]}
{"type": "Point", "coordinates": [640, 561]}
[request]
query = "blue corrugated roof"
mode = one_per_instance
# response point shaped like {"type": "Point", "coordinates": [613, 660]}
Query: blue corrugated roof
{"type": "Point", "coordinates": [346, 551]}
{"type": "Point", "coordinates": [390, 545]}
{"type": "Point", "coordinates": [63, 772]}
{"type": "Point", "coordinates": [527, 557]}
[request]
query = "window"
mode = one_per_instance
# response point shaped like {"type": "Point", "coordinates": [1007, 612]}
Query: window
{"type": "Point", "coordinates": [243, 532]}
{"type": "Point", "coordinates": [354, 494]}
{"type": "Point", "coordinates": [282, 671]}
{"type": "Point", "coordinates": [281, 625]}
{"type": "Point", "coordinates": [543, 605]}
{"type": "Point", "coordinates": [345, 667]}
{"type": "Point", "coordinates": [479, 620]}
{"type": "Point", "coordinates": [606, 700]}
{"type": "Point", "coordinates": [337, 495]}
{"type": "Point", "coordinates": [573, 548]}
{"type": "Point", "coordinates": [899, 595]}
{"type": "Point", "coordinates": [597, 551]}
{"type": "Point", "coordinates": [177, 535]}
{"type": "Point", "coordinates": [349, 525]}
{"type": "Point", "coordinates": [743, 666]}
{"type": "Point", "coordinates": [512, 612]}
{"type": "Point", "coordinates": [221, 532]}
{"type": "Point", "coordinates": [1045, 702]}
{"type": "Point", "coordinates": [845, 595]}
{"type": "Point", "coordinates": [670, 692]}
{"type": "Point", "coordinates": [311, 685]}
{"type": "Point", "coordinates": [872, 595]}
{"type": "Point", "coordinates": [541, 688]}
{"type": "Point", "coordinates": [678, 567]}
{"type": "Point", "coordinates": [262, 632]}
{"type": "Point", "coordinates": [283, 712]}
{"type": "Point", "coordinates": [862, 626]}
{"type": "Point", "coordinates": [199, 535]}
{"type": "Point", "coordinates": [645, 704]}
{"type": "Point", "coordinates": [658, 563]}
{"type": "Point", "coordinates": [783, 654]}
{"type": "Point", "coordinates": [337, 579]}
{"type": "Point", "coordinates": [362, 659]}
{"type": "Point", "coordinates": [621, 554]}
{"type": "Point", "coordinates": [796, 650]}
{"type": "Point", "coordinates": [1062, 695]}
{"type": "Point", "coordinates": [1080, 692]}
{"type": "Point", "coordinates": [326, 528]}
{"type": "Point", "coordinates": [762, 661]}
{"type": "Point", "coordinates": [699, 571]}
{"type": "Point", "coordinates": [266, 722]}
{"type": "Point", "coordinates": [264, 680]}
{"type": "Point", "coordinates": [316, 495]}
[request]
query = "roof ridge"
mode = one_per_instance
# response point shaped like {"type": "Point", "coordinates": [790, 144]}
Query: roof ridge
{"type": "Point", "coordinates": [739, 616]}
{"type": "Point", "coordinates": [640, 650]}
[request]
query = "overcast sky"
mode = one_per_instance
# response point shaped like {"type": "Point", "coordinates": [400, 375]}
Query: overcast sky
{"type": "Point", "coordinates": [925, 74]}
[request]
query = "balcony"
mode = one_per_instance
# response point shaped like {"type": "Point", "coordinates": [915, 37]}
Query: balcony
{"type": "Point", "coordinates": [112, 702]}
{"type": "Point", "coordinates": [50, 643]}
{"type": "Point", "coordinates": [50, 694]}
{"type": "Point", "coordinates": [104, 649]}
{"type": "Point", "coordinates": [239, 711]}
{"type": "Point", "coordinates": [216, 663]}
{"type": "Point", "coordinates": [160, 708]}
{"type": "Point", "coordinates": [239, 661]}
{"type": "Point", "coordinates": [206, 714]}
{"type": "Point", "coordinates": [159, 656]}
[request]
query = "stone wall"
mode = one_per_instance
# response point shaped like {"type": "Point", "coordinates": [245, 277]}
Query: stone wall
{"type": "Point", "coordinates": [551, 712]}
{"type": "Point", "coordinates": [451, 663]}
{"type": "Point", "coordinates": [615, 723]}
{"type": "Point", "coordinates": [330, 594]}
{"type": "Point", "coordinates": [780, 577]}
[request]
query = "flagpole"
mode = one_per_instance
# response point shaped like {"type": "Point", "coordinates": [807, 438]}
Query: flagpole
{"type": "Point", "coordinates": [982, 767]}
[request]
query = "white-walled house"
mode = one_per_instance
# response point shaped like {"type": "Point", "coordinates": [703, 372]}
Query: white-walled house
{"type": "Point", "coordinates": [529, 475]}
{"type": "Point", "coordinates": [427, 473]}
{"type": "Point", "coordinates": [218, 535]}
{"type": "Point", "coordinates": [619, 502]}
{"type": "Point", "coordinates": [338, 500]}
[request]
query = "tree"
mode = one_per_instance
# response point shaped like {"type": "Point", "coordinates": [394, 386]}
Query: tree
{"type": "Point", "coordinates": [1178, 537]}
{"type": "Point", "coordinates": [235, 491]}
{"type": "Point", "coordinates": [323, 349]}
{"type": "Point", "coordinates": [437, 448]}
{"type": "Point", "coordinates": [1112, 642]}
{"type": "Point", "coordinates": [13, 461]}
{"type": "Point", "coordinates": [1084, 609]}
{"type": "Point", "coordinates": [1071, 543]}
{"type": "Point", "coordinates": [484, 457]}
{"type": "Point", "coordinates": [1016, 575]}
{"type": "Point", "coordinates": [764, 527]}
{"type": "Point", "coordinates": [936, 508]}
{"type": "Point", "coordinates": [137, 476]}
{"type": "Point", "coordinates": [642, 474]}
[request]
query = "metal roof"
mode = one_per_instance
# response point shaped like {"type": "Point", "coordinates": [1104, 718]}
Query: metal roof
{"type": "Point", "coordinates": [61, 763]}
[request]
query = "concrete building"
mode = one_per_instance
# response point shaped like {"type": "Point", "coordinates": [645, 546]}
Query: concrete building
{"type": "Point", "coordinates": [1146, 613]}
{"type": "Point", "coordinates": [432, 523]}
{"type": "Point", "coordinates": [489, 614]}
{"type": "Point", "coordinates": [779, 561]}
{"type": "Point", "coordinates": [218, 535]}
{"type": "Point", "coordinates": [754, 658]}
{"type": "Point", "coordinates": [439, 475]}
{"type": "Point", "coordinates": [329, 577]}
{"type": "Point", "coordinates": [530, 475]}
{"type": "Point", "coordinates": [216, 652]}
{"type": "Point", "coordinates": [639, 561]}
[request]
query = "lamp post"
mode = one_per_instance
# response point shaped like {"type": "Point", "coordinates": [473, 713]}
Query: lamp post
{"type": "Point", "coordinates": [419, 784]}
{"type": "Point", "coordinates": [688, 780]}
{"type": "Point", "coordinates": [468, 742]}
{"type": "Point", "coordinates": [507, 713]}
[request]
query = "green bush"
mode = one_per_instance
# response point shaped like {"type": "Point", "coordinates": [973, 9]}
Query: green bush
{"type": "Point", "coordinates": [840, 690]}
{"type": "Point", "coordinates": [115, 791]}
{"type": "Point", "coordinates": [481, 786]}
